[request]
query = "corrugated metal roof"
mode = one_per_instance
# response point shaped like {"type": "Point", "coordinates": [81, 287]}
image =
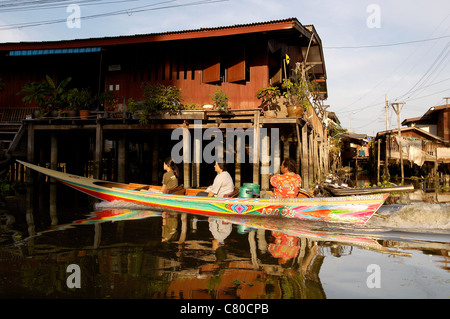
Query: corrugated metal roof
{"type": "Point", "coordinates": [117, 39]}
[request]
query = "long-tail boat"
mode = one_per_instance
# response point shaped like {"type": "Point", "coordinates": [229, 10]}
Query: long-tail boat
{"type": "Point", "coordinates": [350, 209]}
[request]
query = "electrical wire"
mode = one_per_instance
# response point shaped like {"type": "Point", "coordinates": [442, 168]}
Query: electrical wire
{"type": "Point", "coordinates": [386, 45]}
{"type": "Point", "coordinates": [378, 98]}
{"type": "Point", "coordinates": [128, 12]}
{"type": "Point", "coordinates": [41, 5]}
{"type": "Point", "coordinates": [433, 67]}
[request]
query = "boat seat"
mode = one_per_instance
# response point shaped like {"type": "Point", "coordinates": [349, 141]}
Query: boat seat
{"type": "Point", "coordinates": [303, 193]}
{"type": "Point", "coordinates": [233, 194]}
{"type": "Point", "coordinates": [179, 190]}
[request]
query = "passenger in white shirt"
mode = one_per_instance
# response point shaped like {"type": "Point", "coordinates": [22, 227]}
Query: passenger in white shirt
{"type": "Point", "coordinates": [223, 183]}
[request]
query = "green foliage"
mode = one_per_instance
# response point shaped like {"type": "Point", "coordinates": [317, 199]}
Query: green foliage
{"type": "Point", "coordinates": [191, 106]}
{"type": "Point", "coordinates": [220, 100]}
{"type": "Point", "coordinates": [137, 108]}
{"type": "Point", "coordinates": [11, 188]}
{"type": "Point", "coordinates": [57, 93]}
{"type": "Point", "coordinates": [36, 92]}
{"type": "Point", "coordinates": [108, 100]}
{"type": "Point", "coordinates": [299, 90]}
{"type": "Point", "coordinates": [46, 93]}
{"type": "Point", "coordinates": [80, 99]}
{"type": "Point", "coordinates": [268, 96]}
{"type": "Point", "coordinates": [159, 97]}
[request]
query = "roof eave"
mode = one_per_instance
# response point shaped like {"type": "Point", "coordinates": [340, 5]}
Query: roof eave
{"type": "Point", "coordinates": [160, 37]}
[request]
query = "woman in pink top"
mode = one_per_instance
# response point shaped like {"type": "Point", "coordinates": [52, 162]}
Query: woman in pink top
{"type": "Point", "coordinates": [287, 184]}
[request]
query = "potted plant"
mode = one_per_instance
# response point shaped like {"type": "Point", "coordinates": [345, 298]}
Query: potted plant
{"type": "Point", "coordinates": [79, 101]}
{"type": "Point", "coordinates": [136, 108]}
{"type": "Point", "coordinates": [36, 93]}
{"type": "Point", "coordinates": [57, 93]}
{"type": "Point", "coordinates": [269, 96]}
{"type": "Point", "coordinates": [220, 100]}
{"type": "Point", "coordinates": [108, 101]}
{"type": "Point", "coordinates": [159, 97]}
{"type": "Point", "coordinates": [73, 104]}
{"type": "Point", "coordinates": [298, 91]}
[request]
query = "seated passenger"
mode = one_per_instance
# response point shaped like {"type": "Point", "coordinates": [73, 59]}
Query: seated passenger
{"type": "Point", "coordinates": [170, 178]}
{"type": "Point", "coordinates": [287, 184]}
{"type": "Point", "coordinates": [223, 183]}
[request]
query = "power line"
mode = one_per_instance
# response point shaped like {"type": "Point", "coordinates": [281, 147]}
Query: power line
{"type": "Point", "coordinates": [398, 67]}
{"type": "Point", "coordinates": [387, 45]}
{"type": "Point", "coordinates": [433, 68]}
{"type": "Point", "coordinates": [109, 14]}
{"type": "Point", "coordinates": [46, 5]}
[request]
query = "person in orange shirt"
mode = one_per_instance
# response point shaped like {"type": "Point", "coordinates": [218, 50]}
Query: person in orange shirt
{"type": "Point", "coordinates": [288, 183]}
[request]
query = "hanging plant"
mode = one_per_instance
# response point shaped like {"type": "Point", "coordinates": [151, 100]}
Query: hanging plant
{"type": "Point", "coordinates": [299, 90]}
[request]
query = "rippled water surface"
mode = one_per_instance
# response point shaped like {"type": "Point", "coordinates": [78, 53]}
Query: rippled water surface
{"type": "Point", "coordinates": [114, 250]}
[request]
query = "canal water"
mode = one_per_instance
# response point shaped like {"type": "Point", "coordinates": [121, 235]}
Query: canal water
{"type": "Point", "coordinates": [89, 249]}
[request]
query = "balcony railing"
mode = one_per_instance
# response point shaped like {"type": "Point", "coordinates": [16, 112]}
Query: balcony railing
{"type": "Point", "coordinates": [15, 114]}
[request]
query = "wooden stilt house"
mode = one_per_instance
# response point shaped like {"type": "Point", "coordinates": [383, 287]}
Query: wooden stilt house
{"type": "Point", "coordinates": [237, 59]}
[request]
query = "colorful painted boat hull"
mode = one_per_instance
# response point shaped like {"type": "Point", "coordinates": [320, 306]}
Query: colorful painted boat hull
{"type": "Point", "coordinates": [354, 209]}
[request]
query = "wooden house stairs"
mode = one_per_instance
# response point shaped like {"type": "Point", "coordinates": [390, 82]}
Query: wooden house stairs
{"type": "Point", "coordinates": [11, 132]}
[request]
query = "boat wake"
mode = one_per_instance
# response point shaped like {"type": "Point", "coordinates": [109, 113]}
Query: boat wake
{"type": "Point", "coordinates": [118, 204]}
{"type": "Point", "coordinates": [416, 217]}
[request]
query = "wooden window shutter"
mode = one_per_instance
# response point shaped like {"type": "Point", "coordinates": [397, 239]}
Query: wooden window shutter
{"type": "Point", "coordinates": [275, 67]}
{"type": "Point", "coordinates": [211, 67]}
{"type": "Point", "coordinates": [211, 73]}
{"type": "Point", "coordinates": [236, 66]}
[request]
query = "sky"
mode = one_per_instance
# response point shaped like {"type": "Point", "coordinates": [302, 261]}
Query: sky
{"type": "Point", "coordinates": [375, 51]}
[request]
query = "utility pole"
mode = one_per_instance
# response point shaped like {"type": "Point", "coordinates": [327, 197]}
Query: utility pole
{"type": "Point", "coordinates": [398, 108]}
{"type": "Point", "coordinates": [387, 112]}
{"type": "Point", "coordinates": [386, 160]}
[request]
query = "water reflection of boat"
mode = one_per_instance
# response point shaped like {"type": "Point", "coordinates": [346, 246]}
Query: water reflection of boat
{"type": "Point", "coordinates": [296, 228]}
{"type": "Point", "coordinates": [132, 257]}
{"type": "Point", "coordinates": [311, 231]}
{"type": "Point", "coordinates": [353, 209]}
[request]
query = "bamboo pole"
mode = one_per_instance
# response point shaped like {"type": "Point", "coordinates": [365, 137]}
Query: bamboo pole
{"type": "Point", "coordinates": [378, 160]}
{"type": "Point", "coordinates": [186, 157]}
{"type": "Point", "coordinates": [53, 187]}
{"type": "Point", "coordinates": [305, 163]}
{"type": "Point", "coordinates": [256, 142]}
{"type": "Point", "coordinates": [98, 151]}
{"type": "Point", "coordinates": [122, 160]}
